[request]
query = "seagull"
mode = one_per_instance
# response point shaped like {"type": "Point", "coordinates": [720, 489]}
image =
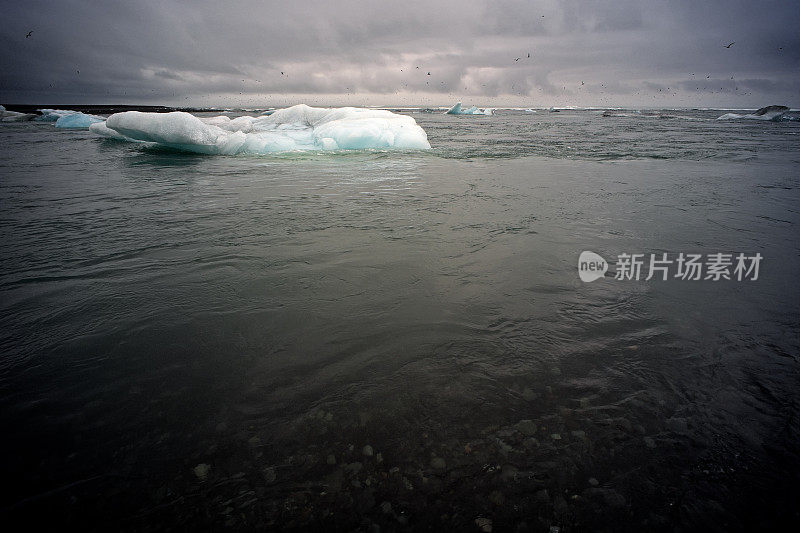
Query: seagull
{"type": "Point", "coordinates": [429, 73]}
{"type": "Point", "coordinates": [728, 46]}
{"type": "Point", "coordinates": [517, 59]}
{"type": "Point", "coordinates": [529, 54]}
{"type": "Point", "coordinates": [29, 34]}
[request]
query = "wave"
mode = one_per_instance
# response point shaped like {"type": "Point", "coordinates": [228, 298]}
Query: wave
{"type": "Point", "coordinates": [295, 128]}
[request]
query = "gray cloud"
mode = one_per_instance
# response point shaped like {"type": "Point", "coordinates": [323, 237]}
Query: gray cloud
{"type": "Point", "coordinates": [602, 52]}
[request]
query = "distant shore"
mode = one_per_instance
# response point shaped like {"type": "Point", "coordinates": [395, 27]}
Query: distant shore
{"type": "Point", "coordinates": [106, 109]}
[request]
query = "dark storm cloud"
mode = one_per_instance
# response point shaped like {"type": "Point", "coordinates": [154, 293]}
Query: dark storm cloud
{"type": "Point", "coordinates": [582, 52]}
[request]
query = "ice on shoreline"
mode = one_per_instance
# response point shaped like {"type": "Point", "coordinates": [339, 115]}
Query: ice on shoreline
{"type": "Point", "coordinates": [295, 128]}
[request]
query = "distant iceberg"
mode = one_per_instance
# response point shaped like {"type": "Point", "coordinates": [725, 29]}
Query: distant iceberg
{"type": "Point", "coordinates": [772, 113]}
{"type": "Point", "coordinates": [52, 115]}
{"type": "Point", "coordinates": [13, 116]}
{"type": "Point", "coordinates": [457, 110]}
{"type": "Point", "coordinates": [77, 120]}
{"type": "Point", "coordinates": [295, 128]}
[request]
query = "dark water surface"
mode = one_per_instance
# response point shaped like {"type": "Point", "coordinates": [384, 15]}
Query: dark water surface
{"type": "Point", "coordinates": [270, 317]}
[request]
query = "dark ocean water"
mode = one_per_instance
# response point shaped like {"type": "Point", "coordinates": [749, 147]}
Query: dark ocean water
{"type": "Point", "coordinates": [192, 342]}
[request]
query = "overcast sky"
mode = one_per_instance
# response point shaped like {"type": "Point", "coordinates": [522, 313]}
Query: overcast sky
{"type": "Point", "coordinates": [229, 53]}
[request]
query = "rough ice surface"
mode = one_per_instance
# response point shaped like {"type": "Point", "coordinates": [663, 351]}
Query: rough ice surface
{"type": "Point", "coordinates": [772, 113]}
{"type": "Point", "coordinates": [100, 128]}
{"type": "Point", "coordinates": [52, 115]}
{"type": "Point", "coordinates": [457, 110]}
{"type": "Point", "coordinates": [295, 128]}
{"type": "Point", "coordinates": [77, 121]}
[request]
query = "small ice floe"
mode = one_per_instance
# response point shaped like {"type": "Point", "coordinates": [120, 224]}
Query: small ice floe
{"type": "Point", "coordinates": [458, 110]}
{"type": "Point", "coordinates": [77, 121]}
{"type": "Point", "coordinates": [14, 116]}
{"type": "Point", "coordinates": [772, 113]}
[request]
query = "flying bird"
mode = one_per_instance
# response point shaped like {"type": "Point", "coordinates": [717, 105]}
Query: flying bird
{"type": "Point", "coordinates": [517, 59]}
{"type": "Point", "coordinates": [429, 73]}
{"type": "Point", "coordinates": [529, 54]}
{"type": "Point", "coordinates": [728, 46]}
{"type": "Point", "coordinates": [29, 34]}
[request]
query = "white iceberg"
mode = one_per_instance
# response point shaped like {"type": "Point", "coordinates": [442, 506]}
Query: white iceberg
{"type": "Point", "coordinates": [457, 110]}
{"type": "Point", "coordinates": [295, 128]}
{"type": "Point", "coordinates": [100, 128]}
{"type": "Point", "coordinates": [77, 121]}
{"type": "Point", "coordinates": [772, 113]}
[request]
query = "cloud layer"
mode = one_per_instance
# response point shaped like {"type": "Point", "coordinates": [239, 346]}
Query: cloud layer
{"type": "Point", "coordinates": [610, 53]}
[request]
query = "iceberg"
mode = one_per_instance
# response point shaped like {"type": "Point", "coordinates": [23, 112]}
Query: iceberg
{"type": "Point", "coordinates": [52, 115]}
{"type": "Point", "coordinates": [295, 128]}
{"type": "Point", "coordinates": [77, 120]}
{"type": "Point", "coordinates": [13, 116]}
{"type": "Point", "coordinates": [772, 113]}
{"type": "Point", "coordinates": [100, 128]}
{"type": "Point", "coordinates": [457, 110]}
